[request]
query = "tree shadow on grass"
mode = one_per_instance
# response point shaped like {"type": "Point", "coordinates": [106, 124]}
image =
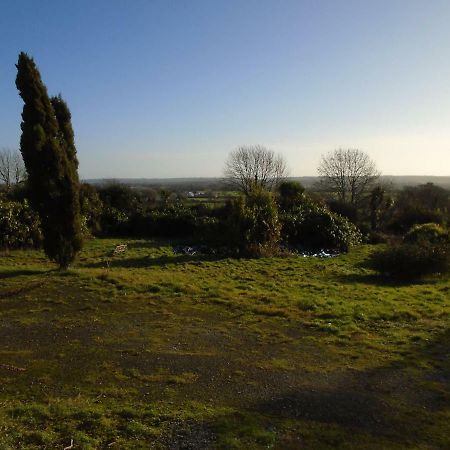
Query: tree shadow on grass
{"type": "Point", "coordinates": [379, 407]}
{"type": "Point", "coordinates": [156, 243]}
{"type": "Point", "coordinates": [22, 289]}
{"type": "Point", "coordinates": [368, 276]}
{"type": "Point", "coordinates": [148, 244]}
{"type": "Point", "coordinates": [148, 261]}
{"type": "Point", "coordinates": [345, 407]}
{"type": "Point", "coordinates": [376, 280]}
{"type": "Point", "coordinates": [390, 400]}
{"type": "Point", "coordinates": [337, 416]}
{"type": "Point", "coordinates": [437, 353]}
{"type": "Point", "coordinates": [20, 272]}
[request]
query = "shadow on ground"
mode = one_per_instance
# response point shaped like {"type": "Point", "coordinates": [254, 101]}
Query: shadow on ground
{"type": "Point", "coordinates": [362, 409]}
{"type": "Point", "coordinates": [348, 408]}
{"type": "Point", "coordinates": [149, 261]}
{"type": "Point", "coordinates": [376, 280]}
{"type": "Point", "coordinates": [20, 272]}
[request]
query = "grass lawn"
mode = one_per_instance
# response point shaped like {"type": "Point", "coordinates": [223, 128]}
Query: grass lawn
{"type": "Point", "coordinates": [186, 352]}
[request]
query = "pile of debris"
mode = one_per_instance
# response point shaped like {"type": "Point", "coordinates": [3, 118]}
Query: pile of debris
{"type": "Point", "coordinates": [319, 254]}
{"type": "Point", "coordinates": [193, 250]}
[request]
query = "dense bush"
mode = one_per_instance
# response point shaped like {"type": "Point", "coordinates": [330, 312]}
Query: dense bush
{"type": "Point", "coordinates": [426, 197]}
{"type": "Point", "coordinates": [411, 261]}
{"type": "Point", "coordinates": [252, 226]}
{"type": "Point", "coordinates": [248, 225]}
{"type": "Point", "coordinates": [425, 250]}
{"type": "Point", "coordinates": [143, 213]}
{"type": "Point", "coordinates": [407, 216]}
{"type": "Point", "coordinates": [113, 221]}
{"type": "Point", "coordinates": [428, 233]}
{"type": "Point", "coordinates": [19, 225]}
{"type": "Point", "coordinates": [421, 204]}
{"type": "Point", "coordinates": [344, 209]}
{"type": "Point", "coordinates": [378, 237]}
{"type": "Point", "coordinates": [176, 221]}
{"type": "Point", "coordinates": [120, 197]}
{"type": "Point", "coordinates": [91, 208]}
{"type": "Point", "coordinates": [169, 222]}
{"type": "Point", "coordinates": [290, 195]}
{"type": "Point", "coordinates": [312, 227]}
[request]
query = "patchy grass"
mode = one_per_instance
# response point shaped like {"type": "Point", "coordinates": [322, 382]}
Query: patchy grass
{"type": "Point", "coordinates": [156, 350]}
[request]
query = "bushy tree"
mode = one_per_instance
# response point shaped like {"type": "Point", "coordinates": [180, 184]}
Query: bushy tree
{"type": "Point", "coordinates": [427, 196]}
{"type": "Point", "coordinates": [91, 208]}
{"type": "Point", "coordinates": [377, 195]}
{"type": "Point", "coordinates": [405, 216]}
{"type": "Point", "coordinates": [425, 250]}
{"type": "Point", "coordinates": [310, 226]}
{"type": "Point", "coordinates": [119, 196]}
{"type": "Point", "coordinates": [344, 209]}
{"type": "Point", "coordinates": [19, 225]}
{"type": "Point", "coordinates": [421, 204]}
{"type": "Point", "coordinates": [409, 261]}
{"type": "Point", "coordinates": [290, 194]}
{"type": "Point", "coordinates": [49, 155]}
{"type": "Point", "coordinates": [253, 225]}
{"type": "Point", "coordinates": [428, 234]}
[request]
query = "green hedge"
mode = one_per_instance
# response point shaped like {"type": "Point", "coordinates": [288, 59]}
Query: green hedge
{"type": "Point", "coordinates": [19, 225]}
{"type": "Point", "coordinates": [412, 261]}
{"type": "Point", "coordinates": [431, 233]}
{"type": "Point", "coordinates": [314, 227]}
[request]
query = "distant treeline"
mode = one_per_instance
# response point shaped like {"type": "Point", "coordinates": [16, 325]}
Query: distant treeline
{"type": "Point", "coordinates": [219, 184]}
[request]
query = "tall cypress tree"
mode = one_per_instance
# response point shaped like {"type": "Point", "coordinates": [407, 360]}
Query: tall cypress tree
{"type": "Point", "coordinates": [48, 150]}
{"type": "Point", "coordinates": [66, 134]}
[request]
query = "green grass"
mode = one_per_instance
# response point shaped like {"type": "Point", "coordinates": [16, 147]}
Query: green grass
{"type": "Point", "coordinates": [156, 350]}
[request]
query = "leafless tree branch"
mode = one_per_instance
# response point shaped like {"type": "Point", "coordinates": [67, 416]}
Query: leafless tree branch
{"type": "Point", "coordinates": [348, 173]}
{"type": "Point", "coordinates": [12, 169]}
{"type": "Point", "coordinates": [253, 166]}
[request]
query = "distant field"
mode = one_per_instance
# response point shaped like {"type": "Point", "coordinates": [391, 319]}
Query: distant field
{"type": "Point", "coordinates": [218, 184]}
{"type": "Point", "coordinates": [185, 352]}
{"type": "Point", "coordinates": [219, 198]}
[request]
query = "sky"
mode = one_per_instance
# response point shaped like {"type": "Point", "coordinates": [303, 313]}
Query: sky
{"type": "Point", "coordinates": [167, 88]}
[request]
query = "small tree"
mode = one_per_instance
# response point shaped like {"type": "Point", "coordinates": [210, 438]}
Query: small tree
{"type": "Point", "coordinates": [290, 194]}
{"type": "Point", "coordinates": [254, 167]}
{"type": "Point", "coordinates": [253, 224]}
{"type": "Point", "coordinates": [426, 196]}
{"type": "Point", "coordinates": [91, 208]}
{"type": "Point", "coordinates": [376, 200]}
{"type": "Point", "coordinates": [12, 169]}
{"type": "Point", "coordinates": [420, 204]}
{"type": "Point", "coordinates": [347, 173]}
{"type": "Point", "coordinates": [49, 155]}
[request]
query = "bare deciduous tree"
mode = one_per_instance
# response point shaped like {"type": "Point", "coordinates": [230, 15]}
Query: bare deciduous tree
{"type": "Point", "coordinates": [249, 167]}
{"type": "Point", "coordinates": [12, 169]}
{"type": "Point", "coordinates": [347, 173]}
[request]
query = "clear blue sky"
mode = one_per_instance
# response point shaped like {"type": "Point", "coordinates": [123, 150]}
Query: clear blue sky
{"type": "Point", "coordinates": [167, 88]}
